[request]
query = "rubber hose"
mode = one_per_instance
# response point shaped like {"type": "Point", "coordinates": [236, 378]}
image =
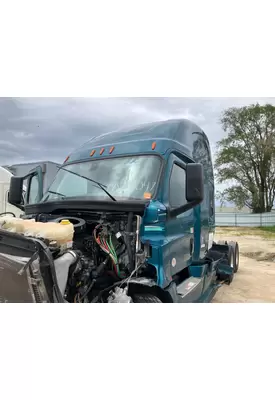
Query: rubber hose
{"type": "Point", "coordinates": [8, 212]}
{"type": "Point", "coordinates": [49, 257]}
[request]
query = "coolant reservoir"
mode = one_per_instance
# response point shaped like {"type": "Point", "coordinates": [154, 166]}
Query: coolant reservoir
{"type": "Point", "coordinates": [13, 224]}
{"type": "Point", "coordinates": [62, 233]}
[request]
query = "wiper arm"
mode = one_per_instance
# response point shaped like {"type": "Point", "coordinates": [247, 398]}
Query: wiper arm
{"type": "Point", "coordinates": [52, 192]}
{"type": "Point", "coordinates": [59, 194]}
{"type": "Point", "coordinates": [91, 180]}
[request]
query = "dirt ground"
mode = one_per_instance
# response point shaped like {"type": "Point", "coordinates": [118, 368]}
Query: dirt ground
{"type": "Point", "coordinates": [255, 280]}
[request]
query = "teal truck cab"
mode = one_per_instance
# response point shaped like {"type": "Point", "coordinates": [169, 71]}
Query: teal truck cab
{"type": "Point", "coordinates": [141, 202]}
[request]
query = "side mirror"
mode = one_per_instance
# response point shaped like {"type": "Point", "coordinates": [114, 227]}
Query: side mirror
{"type": "Point", "coordinates": [194, 183]}
{"type": "Point", "coordinates": [194, 189]}
{"type": "Point", "coordinates": [16, 190]}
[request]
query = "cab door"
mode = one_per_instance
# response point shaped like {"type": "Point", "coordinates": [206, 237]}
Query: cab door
{"type": "Point", "coordinates": [179, 231]}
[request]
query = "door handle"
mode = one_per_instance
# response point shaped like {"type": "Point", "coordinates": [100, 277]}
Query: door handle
{"type": "Point", "coordinates": [211, 210]}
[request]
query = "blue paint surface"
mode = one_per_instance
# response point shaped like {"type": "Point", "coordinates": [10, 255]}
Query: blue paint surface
{"type": "Point", "coordinates": [177, 141]}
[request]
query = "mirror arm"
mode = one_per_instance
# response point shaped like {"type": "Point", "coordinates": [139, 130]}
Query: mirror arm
{"type": "Point", "coordinates": [20, 206]}
{"type": "Point", "coordinates": [172, 213]}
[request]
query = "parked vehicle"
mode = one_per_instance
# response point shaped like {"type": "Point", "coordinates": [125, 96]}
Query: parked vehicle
{"type": "Point", "coordinates": [48, 168]}
{"type": "Point", "coordinates": [5, 206]}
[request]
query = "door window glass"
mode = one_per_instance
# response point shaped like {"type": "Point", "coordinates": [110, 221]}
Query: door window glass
{"type": "Point", "coordinates": [177, 196]}
{"type": "Point", "coordinates": [33, 190]}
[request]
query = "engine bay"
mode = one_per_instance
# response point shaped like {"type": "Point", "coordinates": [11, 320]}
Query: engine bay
{"type": "Point", "coordinates": [106, 252]}
{"type": "Point", "coordinates": [96, 262]}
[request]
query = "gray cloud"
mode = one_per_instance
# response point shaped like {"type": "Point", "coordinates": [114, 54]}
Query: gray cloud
{"type": "Point", "coordinates": [34, 129]}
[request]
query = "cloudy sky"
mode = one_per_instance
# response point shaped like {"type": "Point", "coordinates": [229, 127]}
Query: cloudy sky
{"type": "Point", "coordinates": [36, 129]}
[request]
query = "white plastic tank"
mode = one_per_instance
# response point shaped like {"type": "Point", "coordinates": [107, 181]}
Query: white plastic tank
{"type": "Point", "coordinates": [61, 233]}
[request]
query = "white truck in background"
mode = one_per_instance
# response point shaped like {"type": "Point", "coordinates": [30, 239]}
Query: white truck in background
{"type": "Point", "coordinates": [5, 206]}
{"type": "Point", "coordinates": [47, 168]}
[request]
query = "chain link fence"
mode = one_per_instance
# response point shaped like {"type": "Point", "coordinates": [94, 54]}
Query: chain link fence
{"type": "Point", "coordinates": [245, 219]}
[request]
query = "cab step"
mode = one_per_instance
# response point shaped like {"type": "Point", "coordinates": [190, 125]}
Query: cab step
{"type": "Point", "coordinates": [190, 290]}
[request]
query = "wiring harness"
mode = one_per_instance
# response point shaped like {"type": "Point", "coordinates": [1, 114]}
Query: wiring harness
{"type": "Point", "coordinates": [104, 240]}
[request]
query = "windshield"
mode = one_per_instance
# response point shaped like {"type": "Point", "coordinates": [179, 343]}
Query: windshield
{"type": "Point", "coordinates": [124, 178]}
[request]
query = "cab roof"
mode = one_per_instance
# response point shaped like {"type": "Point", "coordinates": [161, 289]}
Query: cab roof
{"type": "Point", "coordinates": [176, 133]}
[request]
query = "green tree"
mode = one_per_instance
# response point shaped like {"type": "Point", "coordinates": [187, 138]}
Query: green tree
{"type": "Point", "coordinates": [246, 156]}
{"type": "Point", "coordinates": [220, 196]}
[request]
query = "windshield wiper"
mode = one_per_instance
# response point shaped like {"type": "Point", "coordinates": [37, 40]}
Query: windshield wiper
{"type": "Point", "coordinates": [52, 192]}
{"type": "Point", "coordinates": [91, 180]}
{"type": "Point", "coordinates": [59, 194]}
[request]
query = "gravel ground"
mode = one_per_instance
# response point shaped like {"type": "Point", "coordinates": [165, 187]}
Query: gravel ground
{"type": "Point", "coordinates": [255, 279]}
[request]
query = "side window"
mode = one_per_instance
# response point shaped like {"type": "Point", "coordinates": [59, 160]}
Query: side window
{"type": "Point", "coordinates": [177, 190]}
{"type": "Point", "coordinates": [33, 190]}
{"type": "Point", "coordinates": [202, 154]}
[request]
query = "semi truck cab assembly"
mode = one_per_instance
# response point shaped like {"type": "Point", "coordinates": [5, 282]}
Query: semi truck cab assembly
{"type": "Point", "coordinates": [129, 217]}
